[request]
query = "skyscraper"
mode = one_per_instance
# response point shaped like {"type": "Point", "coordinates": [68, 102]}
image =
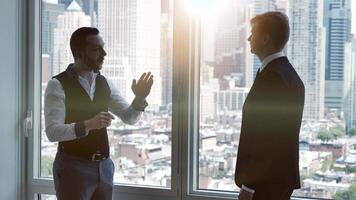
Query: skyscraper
{"type": "Point", "coordinates": [131, 31]}
{"type": "Point", "coordinates": [282, 6]}
{"type": "Point", "coordinates": [262, 6]}
{"type": "Point", "coordinates": [226, 44]}
{"type": "Point", "coordinates": [230, 41]}
{"type": "Point", "coordinates": [50, 11]}
{"type": "Point", "coordinates": [208, 26]}
{"type": "Point", "coordinates": [117, 71]}
{"type": "Point", "coordinates": [167, 50]}
{"type": "Point", "coordinates": [67, 23]}
{"type": "Point", "coordinates": [231, 100]}
{"type": "Point", "coordinates": [350, 84]}
{"type": "Point", "coordinates": [207, 103]}
{"type": "Point", "coordinates": [306, 52]}
{"type": "Point", "coordinates": [337, 22]}
{"type": "Point", "coordinates": [66, 3]}
{"type": "Point", "coordinates": [208, 87]}
{"type": "Point", "coordinates": [89, 7]}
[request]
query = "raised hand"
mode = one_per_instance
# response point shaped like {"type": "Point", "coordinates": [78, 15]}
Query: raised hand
{"type": "Point", "coordinates": [142, 87]}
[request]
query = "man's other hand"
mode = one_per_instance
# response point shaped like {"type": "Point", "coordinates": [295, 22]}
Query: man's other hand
{"type": "Point", "coordinates": [142, 87]}
{"type": "Point", "coordinates": [99, 121]}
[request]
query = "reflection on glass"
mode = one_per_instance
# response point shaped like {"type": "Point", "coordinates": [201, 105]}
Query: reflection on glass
{"type": "Point", "coordinates": [138, 38]}
{"type": "Point", "coordinates": [320, 48]}
{"type": "Point", "coordinates": [46, 197]}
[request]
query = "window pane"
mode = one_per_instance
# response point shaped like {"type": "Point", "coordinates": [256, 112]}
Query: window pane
{"type": "Point", "coordinates": [322, 52]}
{"type": "Point", "coordinates": [45, 197]}
{"type": "Point", "coordinates": [138, 38]}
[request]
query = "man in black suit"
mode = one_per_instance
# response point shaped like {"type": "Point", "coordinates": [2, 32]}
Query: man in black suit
{"type": "Point", "coordinates": [267, 165]}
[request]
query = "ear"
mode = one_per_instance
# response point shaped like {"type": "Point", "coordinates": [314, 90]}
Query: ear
{"type": "Point", "coordinates": [80, 54]}
{"type": "Point", "coordinates": [266, 39]}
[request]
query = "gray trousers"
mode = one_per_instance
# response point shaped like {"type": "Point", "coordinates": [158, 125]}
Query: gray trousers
{"type": "Point", "coordinates": [79, 179]}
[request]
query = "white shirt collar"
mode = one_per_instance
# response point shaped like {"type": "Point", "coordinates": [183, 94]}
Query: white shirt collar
{"type": "Point", "coordinates": [270, 58]}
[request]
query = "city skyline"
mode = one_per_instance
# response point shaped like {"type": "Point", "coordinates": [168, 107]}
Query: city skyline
{"type": "Point", "coordinates": [138, 37]}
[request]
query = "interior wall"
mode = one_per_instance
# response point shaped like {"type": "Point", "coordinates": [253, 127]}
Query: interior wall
{"type": "Point", "coordinates": [9, 100]}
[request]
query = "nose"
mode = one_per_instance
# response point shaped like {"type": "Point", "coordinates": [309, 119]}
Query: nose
{"type": "Point", "coordinates": [249, 38]}
{"type": "Point", "coordinates": [104, 52]}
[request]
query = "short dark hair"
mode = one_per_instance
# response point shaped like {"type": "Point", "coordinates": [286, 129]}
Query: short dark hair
{"type": "Point", "coordinates": [78, 39]}
{"type": "Point", "coordinates": [274, 24]}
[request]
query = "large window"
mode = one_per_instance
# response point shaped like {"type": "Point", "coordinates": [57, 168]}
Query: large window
{"type": "Point", "coordinates": [185, 145]}
{"type": "Point", "coordinates": [320, 49]}
{"type": "Point", "coordinates": [138, 38]}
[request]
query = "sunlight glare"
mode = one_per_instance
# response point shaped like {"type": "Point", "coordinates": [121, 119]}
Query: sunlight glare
{"type": "Point", "coordinates": [199, 7]}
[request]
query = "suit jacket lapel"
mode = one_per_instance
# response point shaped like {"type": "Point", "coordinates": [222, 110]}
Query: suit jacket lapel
{"type": "Point", "coordinates": [259, 78]}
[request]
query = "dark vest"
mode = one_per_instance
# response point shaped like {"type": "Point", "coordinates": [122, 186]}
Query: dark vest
{"type": "Point", "coordinates": [80, 107]}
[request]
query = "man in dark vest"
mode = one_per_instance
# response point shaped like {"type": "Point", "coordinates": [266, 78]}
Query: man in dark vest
{"type": "Point", "coordinates": [267, 165]}
{"type": "Point", "coordinates": [77, 105]}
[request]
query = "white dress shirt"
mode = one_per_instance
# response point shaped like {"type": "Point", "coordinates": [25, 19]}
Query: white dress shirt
{"type": "Point", "coordinates": [270, 58]}
{"type": "Point", "coordinates": [54, 107]}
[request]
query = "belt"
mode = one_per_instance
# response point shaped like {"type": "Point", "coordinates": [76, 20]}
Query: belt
{"type": "Point", "coordinates": [97, 156]}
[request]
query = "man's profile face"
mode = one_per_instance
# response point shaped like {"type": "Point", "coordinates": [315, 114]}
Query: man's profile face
{"type": "Point", "coordinates": [256, 40]}
{"type": "Point", "coordinates": [94, 53]}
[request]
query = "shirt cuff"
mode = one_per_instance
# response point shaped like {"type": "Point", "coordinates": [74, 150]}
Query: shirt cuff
{"type": "Point", "coordinates": [139, 104]}
{"type": "Point", "coordinates": [248, 189]}
{"type": "Point", "coordinates": [79, 128]}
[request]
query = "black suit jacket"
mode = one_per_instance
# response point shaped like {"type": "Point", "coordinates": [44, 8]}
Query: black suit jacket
{"type": "Point", "coordinates": [271, 117]}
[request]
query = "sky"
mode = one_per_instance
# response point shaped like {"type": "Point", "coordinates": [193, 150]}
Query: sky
{"type": "Point", "coordinates": [212, 2]}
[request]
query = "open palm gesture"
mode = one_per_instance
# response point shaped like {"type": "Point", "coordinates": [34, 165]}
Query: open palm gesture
{"type": "Point", "coordinates": [142, 87]}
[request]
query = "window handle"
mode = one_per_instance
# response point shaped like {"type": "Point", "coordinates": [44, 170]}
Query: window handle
{"type": "Point", "coordinates": [27, 123]}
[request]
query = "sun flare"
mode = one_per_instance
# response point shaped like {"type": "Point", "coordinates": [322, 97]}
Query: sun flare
{"type": "Point", "coordinates": [199, 7]}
